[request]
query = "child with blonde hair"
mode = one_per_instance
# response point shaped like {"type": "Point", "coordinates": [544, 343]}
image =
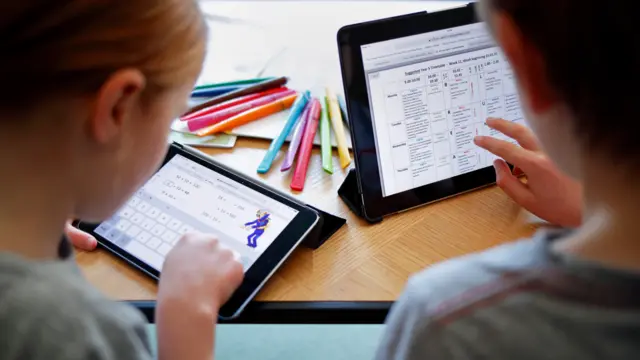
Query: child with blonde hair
{"type": "Point", "coordinates": [89, 89]}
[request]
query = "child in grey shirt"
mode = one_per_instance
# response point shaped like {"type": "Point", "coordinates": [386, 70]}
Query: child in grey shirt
{"type": "Point", "coordinates": [91, 90]}
{"type": "Point", "coordinates": [49, 311]}
{"type": "Point", "coordinates": [565, 294]}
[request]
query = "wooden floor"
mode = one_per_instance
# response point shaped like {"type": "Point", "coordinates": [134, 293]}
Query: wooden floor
{"type": "Point", "coordinates": [360, 262]}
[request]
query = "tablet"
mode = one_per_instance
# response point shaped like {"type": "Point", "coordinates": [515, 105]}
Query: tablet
{"type": "Point", "coordinates": [191, 192]}
{"type": "Point", "coordinates": [418, 89]}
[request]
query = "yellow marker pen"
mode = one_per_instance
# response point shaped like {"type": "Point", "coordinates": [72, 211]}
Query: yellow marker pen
{"type": "Point", "coordinates": [338, 128]}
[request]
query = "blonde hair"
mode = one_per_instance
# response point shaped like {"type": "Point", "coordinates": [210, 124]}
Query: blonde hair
{"type": "Point", "coordinates": [61, 47]}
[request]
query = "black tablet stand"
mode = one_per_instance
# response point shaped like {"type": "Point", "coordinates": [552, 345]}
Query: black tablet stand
{"type": "Point", "coordinates": [350, 193]}
{"type": "Point", "coordinates": [327, 225]}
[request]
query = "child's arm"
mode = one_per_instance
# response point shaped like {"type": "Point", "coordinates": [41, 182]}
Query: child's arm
{"type": "Point", "coordinates": [198, 277]}
{"type": "Point", "coordinates": [185, 331]}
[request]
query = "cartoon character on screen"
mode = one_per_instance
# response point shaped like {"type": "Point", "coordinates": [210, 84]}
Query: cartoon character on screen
{"type": "Point", "coordinates": [258, 226]}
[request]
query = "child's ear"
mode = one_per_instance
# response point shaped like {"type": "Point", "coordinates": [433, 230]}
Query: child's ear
{"type": "Point", "coordinates": [117, 100]}
{"type": "Point", "coordinates": [526, 61]}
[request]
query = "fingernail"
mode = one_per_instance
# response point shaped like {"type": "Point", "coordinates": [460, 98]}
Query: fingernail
{"type": "Point", "coordinates": [478, 139]}
{"type": "Point", "coordinates": [490, 121]}
{"type": "Point", "coordinates": [92, 241]}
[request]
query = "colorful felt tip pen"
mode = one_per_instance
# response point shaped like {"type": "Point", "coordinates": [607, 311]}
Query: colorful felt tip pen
{"type": "Point", "coordinates": [296, 137]}
{"type": "Point", "coordinates": [232, 103]}
{"type": "Point", "coordinates": [233, 83]}
{"type": "Point", "coordinates": [206, 93]}
{"type": "Point", "coordinates": [302, 166]}
{"type": "Point", "coordinates": [249, 116]}
{"type": "Point", "coordinates": [198, 123]}
{"type": "Point", "coordinates": [325, 138]}
{"type": "Point", "coordinates": [338, 129]}
{"type": "Point", "coordinates": [276, 144]}
{"type": "Point", "coordinates": [248, 90]}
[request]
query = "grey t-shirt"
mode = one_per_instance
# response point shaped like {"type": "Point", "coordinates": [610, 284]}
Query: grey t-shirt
{"type": "Point", "coordinates": [517, 301]}
{"type": "Point", "coordinates": [49, 311]}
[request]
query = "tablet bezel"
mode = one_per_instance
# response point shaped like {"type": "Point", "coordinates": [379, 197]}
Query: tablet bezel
{"type": "Point", "coordinates": [350, 39]}
{"type": "Point", "coordinates": [267, 263]}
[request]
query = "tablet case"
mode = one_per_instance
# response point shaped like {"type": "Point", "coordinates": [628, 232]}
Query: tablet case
{"type": "Point", "coordinates": [328, 224]}
{"type": "Point", "coordinates": [350, 193]}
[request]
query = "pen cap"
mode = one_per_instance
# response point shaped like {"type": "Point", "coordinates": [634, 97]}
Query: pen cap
{"type": "Point", "coordinates": [301, 101]}
{"type": "Point", "coordinates": [331, 96]}
{"type": "Point", "coordinates": [316, 109]}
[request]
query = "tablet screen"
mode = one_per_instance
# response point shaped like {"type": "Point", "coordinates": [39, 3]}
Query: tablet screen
{"type": "Point", "coordinates": [185, 196]}
{"type": "Point", "coordinates": [430, 94]}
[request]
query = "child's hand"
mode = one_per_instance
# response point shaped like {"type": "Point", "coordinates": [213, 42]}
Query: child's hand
{"type": "Point", "coordinates": [200, 271]}
{"type": "Point", "coordinates": [79, 238]}
{"type": "Point", "coordinates": [198, 277]}
{"type": "Point", "coordinates": [548, 193]}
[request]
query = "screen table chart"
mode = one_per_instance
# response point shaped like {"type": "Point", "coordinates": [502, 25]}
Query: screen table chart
{"type": "Point", "coordinates": [430, 95]}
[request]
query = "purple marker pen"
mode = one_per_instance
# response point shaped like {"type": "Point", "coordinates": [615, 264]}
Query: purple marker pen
{"type": "Point", "coordinates": [296, 138]}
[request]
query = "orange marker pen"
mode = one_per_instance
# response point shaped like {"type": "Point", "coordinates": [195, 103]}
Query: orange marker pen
{"type": "Point", "coordinates": [249, 116]}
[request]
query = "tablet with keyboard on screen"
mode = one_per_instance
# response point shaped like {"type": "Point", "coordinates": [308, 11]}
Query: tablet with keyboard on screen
{"type": "Point", "coordinates": [191, 192]}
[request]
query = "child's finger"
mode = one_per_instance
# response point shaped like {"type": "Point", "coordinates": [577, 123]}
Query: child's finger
{"type": "Point", "coordinates": [512, 153]}
{"type": "Point", "coordinates": [519, 133]}
{"type": "Point", "coordinates": [512, 186]}
{"type": "Point", "coordinates": [80, 239]}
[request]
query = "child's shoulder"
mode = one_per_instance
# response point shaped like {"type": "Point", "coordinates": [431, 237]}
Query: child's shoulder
{"type": "Point", "coordinates": [59, 286]}
{"type": "Point", "coordinates": [454, 286]}
{"type": "Point", "coordinates": [453, 291]}
{"type": "Point", "coordinates": [461, 279]}
{"type": "Point", "coordinates": [58, 314]}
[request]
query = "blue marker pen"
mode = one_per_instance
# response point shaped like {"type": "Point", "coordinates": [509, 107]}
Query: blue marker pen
{"type": "Point", "coordinates": [277, 143]}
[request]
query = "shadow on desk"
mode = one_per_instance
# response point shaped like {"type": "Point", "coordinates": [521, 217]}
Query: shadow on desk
{"type": "Point", "coordinates": [296, 330]}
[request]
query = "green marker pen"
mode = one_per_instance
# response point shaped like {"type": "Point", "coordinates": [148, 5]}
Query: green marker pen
{"type": "Point", "coordinates": [325, 138]}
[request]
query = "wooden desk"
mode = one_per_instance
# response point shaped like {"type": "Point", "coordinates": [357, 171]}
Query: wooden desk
{"type": "Point", "coordinates": [360, 262]}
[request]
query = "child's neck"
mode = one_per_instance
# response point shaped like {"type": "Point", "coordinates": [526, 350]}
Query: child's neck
{"type": "Point", "coordinates": [610, 230]}
{"type": "Point", "coordinates": [34, 203]}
